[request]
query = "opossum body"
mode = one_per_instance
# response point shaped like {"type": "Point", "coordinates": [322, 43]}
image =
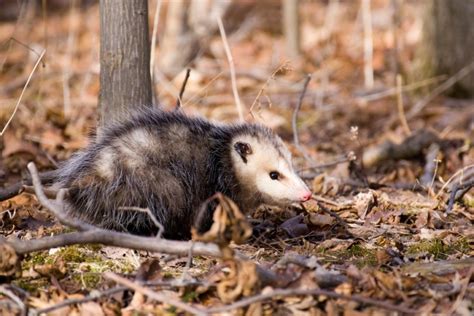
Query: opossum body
{"type": "Point", "coordinates": [171, 163]}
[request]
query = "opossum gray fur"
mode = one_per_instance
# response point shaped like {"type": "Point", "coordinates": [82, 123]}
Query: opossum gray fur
{"type": "Point", "coordinates": [171, 163]}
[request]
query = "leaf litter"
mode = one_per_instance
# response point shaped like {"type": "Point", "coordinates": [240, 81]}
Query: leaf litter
{"type": "Point", "coordinates": [377, 228]}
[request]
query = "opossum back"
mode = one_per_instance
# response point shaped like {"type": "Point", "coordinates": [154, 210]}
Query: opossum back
{"type": "Point", "coordinates": [156, 162]}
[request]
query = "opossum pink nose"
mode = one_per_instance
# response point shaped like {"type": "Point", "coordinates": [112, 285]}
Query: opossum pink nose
{"type": "Point", "coordinates": [306, 196]}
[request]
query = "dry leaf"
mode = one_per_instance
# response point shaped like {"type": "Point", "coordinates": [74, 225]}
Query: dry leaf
{"type": "Point", "coordinates": [321, 219]}
{"type": "Point", "coordinates": [9, 261]}
{"type": "Point", "coordinates": [90, 308]}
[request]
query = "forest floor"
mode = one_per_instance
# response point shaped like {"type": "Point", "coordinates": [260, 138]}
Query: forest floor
{"type": "Point", "coordinates": [378, 237]}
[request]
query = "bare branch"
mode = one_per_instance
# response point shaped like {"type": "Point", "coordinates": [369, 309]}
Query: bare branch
{"type": "Point", "coordinates": [297, 292]}
{"type": "Point", "coordinates": [56, 208]}
{"type": "Point", "coordinates": [4, 291]}
{"type": "Point", "coordinates": [112, 238]}
{"type": "Point", "coordinates": [154, 295]}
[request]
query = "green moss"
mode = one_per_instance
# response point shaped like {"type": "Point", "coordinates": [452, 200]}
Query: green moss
{"type": "Point", "coordinates": [35, 259]}
{"type": "Point", "coordinates": [190, 296]}
{"type": "Point", "coordinates": [32, 285]}
{"type": "Point", "coordinates": [356, 254]}
{"type": "Point", "coordinates": [88, 280]}
{"type": "Point", "coordinates": [438, 249]}
{"type": "Point", "coordinates": [73, 254]}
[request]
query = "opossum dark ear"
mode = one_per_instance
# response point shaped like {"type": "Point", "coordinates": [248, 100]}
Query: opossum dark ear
{"type": "Point", "coordinates": [243, 149]}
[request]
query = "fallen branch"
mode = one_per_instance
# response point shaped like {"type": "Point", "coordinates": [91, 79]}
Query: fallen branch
{"type": "Point", "coordinates": [85, 299]}
{"type": "Point", "coordinates": [99, 294]}
{"type": "Point", "coordinates": [154, 295]}
{"type": "Point", "coordinates": [297, 292]}
{"type": "Point", "coordinates": [411, 147]}
{"type": "Point", "coordinates": [15, 189]}
{"type": "Point", "coordinates": [112, 238]}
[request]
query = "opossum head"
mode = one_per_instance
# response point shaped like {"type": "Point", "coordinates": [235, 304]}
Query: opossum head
{"type": "Point", "coordinates": [263, 163]}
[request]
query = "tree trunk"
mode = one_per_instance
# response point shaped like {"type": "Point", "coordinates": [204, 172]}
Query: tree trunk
{"type": "Point", "coordinates": [125, 82]}
{"type": "Point", "coordinates": [448, 42]}
{"type": "Point", "coordinates": [291, 27]}
{"type": "Point", "coordinates": [179, 43]}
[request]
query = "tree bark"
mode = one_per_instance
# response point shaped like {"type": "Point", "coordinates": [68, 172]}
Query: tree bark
{"type": "Point", "coordinates": [125, 82]}
{"type": "Point", "coordinates": [448, 42]}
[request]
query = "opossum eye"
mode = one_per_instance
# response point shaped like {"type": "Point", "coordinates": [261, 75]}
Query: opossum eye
{"type": "Point", "coordinates": [274, 175]}
{"type": "Point", "coordinates": [243, 149]}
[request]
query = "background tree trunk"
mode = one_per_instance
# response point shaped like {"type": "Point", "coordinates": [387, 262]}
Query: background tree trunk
{"type": "Point", "coordinates": [179, 43]}
{"type": "Point", "coordinates": [291, 27]}
{"type": "Point", "coordinates": [189, 24]}
{"type": "Point", "coordinates": [448, 42]}
{"type": "Point", "coordinates": [125, 82]}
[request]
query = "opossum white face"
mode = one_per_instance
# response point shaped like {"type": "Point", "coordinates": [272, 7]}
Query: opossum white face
{"type": "Point", "coordinates": [265, 166]}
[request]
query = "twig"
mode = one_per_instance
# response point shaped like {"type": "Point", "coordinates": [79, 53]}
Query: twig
{"type": "Point", "coordinates": [230, 59]}
{"type": "Point", "coordinates": [342, 159]}
{"type": "Point", "coordinates": [112, 291]}
{"type": "Point", "coordinates": [153, 218]}
{"type": "Point", "coordinates": [189, 263]}
{"type": "Point", "coordinates": [401, 111]}
{"type": "Point", "coordinates": [420, 105]}
{"type": "Point", "coordinates": [368, 45]}
{"type": "Point", "coordinates": [295, 117]}
{"type": "Point", "coordinates": [23, 91]}
{"type": "Point", "coordinates": [454, 196]}
{"type": "Point", "coordinates": [154, 295]}
{"type": "Point", "coordinates": [393, 91]}
{"type": "Point", "coordinates": [335, 215]}
{"type": "Point", "coordinates": [294, 292]}
{"type": "Point", "coordinates": [11, 40]}
{"type": "Point", "coordinates": [85, 299]}
{"type": "Point", "coordinates": [280, 68]}
{"type": "Point", "coordinates": [460, 171]}
{"type": "Point", "coordinates": [191, 99]}
{"type": "Point", "coordinates": [297, 109]}
{"type": "Point", "coordinates": [181, 92]}
{"type": "Point", "coordinates": [55, 208]}
{"type": "Point", "coordinates": [462, 292]}
{"type": "Point", "coordinates": [14, 298]}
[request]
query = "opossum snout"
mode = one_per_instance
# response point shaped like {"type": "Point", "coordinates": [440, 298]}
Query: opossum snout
{"type": "Point", "coordinates": [305, 196]}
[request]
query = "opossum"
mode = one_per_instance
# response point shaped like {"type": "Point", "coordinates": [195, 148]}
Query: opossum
{"type": "Point", "coordinates": [171, 163]}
